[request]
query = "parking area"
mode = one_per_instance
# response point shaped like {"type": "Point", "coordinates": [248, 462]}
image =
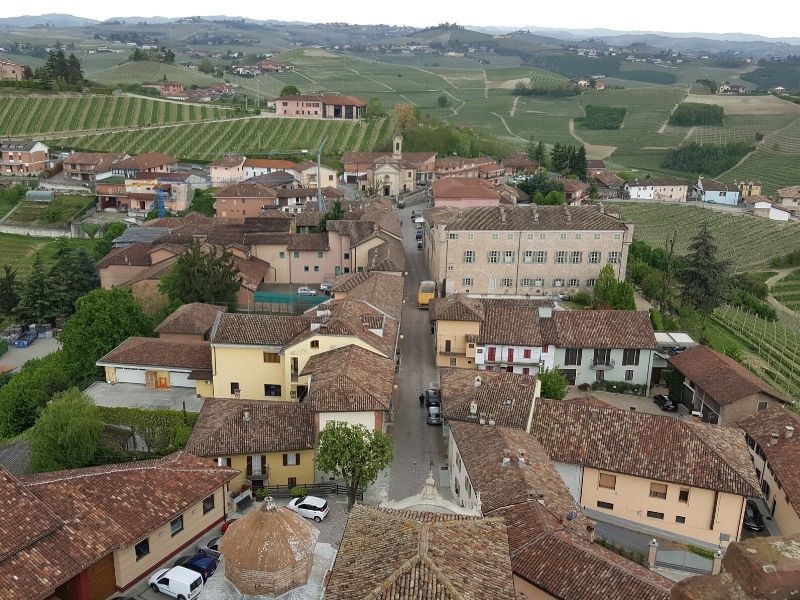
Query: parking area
{"type": "Point", "coordinates": [16, 357]}
{"type": "Point", "coordinates": [643, 404]}
{"type": "Point", "coordinates": [218, 588]}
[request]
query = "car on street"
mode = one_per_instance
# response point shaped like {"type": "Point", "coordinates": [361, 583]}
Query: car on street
{"type": "Point", "coordinates": [415, 214]}
{"type": "Point", "coordinates": [434, 415]}
{"type": "Point", "coordinates": [432, 398]}
{"type": "Point", "coordinates": [752, 517]}
{"type": "Point", "coordinates": [199, 563]}
{"type": "Point", "coordinates": [178, 582]}
{"type": "Point", "coordinates": [419, 234]}
{"type": "Point", "coordinates": [310, 507]}
{"type": "Point", "coordinates": [306, 291]}
{"type": "Point", "coordinates": [210, 548]}
{"type": "Point", "coordinates": [325, 287]}
{"type": "Point", "coordinates": [665, 403]}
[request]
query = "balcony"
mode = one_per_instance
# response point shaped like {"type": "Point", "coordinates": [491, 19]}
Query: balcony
{"type": "Point", "coordinates": [258, 474]}
{"type": "Point", "coordinates": [602, 364]}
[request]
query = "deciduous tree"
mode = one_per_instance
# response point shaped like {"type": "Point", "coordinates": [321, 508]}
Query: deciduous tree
{"type": "Point", "coordinates": [554, 384]}
{"type": "Point", "coordinates": [355, 453]}
{"type": "Point", "coordinates": [375, 108]}
{"type": "Point", "coordinates": [202, 274]}
{"type": "Point", "coordinates": [405, 116]}
{"type": "Point", "coordinates": [290, 90]}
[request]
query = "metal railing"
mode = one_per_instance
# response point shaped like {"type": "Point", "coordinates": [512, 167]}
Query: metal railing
{"type": "Point", "coordinates": [602, 363]}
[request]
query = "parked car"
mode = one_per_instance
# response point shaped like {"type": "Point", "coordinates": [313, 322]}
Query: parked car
{"type": "Point", "coordinates": [665, 403]}
{"type": "Point", "coordinates": [211, 548]}
{"type": "Point", "coordinates": [752, 517]}
{"type": "Point", "coordinates": [419, 234]}
{"type": "Point", "coordinates": [434, 415]}
{"type": "Point", "coordinates": [310, 507]}
{"type": "Point", "coordinates": [199, 563]}
{"type": "Point", "coordinates": [415, 214]}
{"type": "Point", "coordinates": [325, 287]}
{"type": "Point", "coordinates": [432, 398]}
{"type": "Point", "coordinates": [178, 582]}
{"type": "Point", "coordinates": [306, 291]}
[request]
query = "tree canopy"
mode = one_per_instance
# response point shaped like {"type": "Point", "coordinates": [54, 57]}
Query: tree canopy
{"type": "Point", "coordinates": [704, 275]}
{"type": "Point", "coordinates": [202, 274]}
{"type": "Point", "coordinates": [375, 108]}
{"type": "Point", "coordinates": [404, 116]}
{"type": "Point", "coordinates": [67, 433]}
{"type": "Point", "coordinates": [569, 160]}
{"type": "Point", "coordinates": [554, 384]}
{"type": "Point", "coordinates": [610, 293]}
{"type": "Point", "coordinates": [355, 453]}
{"type": "Point", "coordinates": [9, 288]}
{"type": "Point", "coordinates": [290, 90]}
{"type": "Point", "coordinates": [707, 159]}
{"type": "Point", "coordinates": [688, 114]}
{"type": "Point", "coordinates": [60, 68]}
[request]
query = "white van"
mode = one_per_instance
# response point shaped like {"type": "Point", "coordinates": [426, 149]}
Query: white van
{"type": "Point", "coordinates": [178, 582]}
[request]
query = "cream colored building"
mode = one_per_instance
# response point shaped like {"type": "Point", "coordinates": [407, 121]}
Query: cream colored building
{"type": "Point", "coordinates": [519, 250]}
{"type": "Point", "coordinates": [682, 480]}
{"type": "Point", "coordinates": [773, 437]}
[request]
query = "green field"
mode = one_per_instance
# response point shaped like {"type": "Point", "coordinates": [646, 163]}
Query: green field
{"type": "Point", "coordinates": [148, 71]}
{"type": "Point", "coordinates": [58, 213]}
{"type": "Point", "coordinates": [43, 114]}
{"type": "Point", "coordinates": [209, 141]}
{"type": "Point", "coordinates": [787, 291]}
{"type": "Point", "coordinates": [18, 251]}
{"type": "Point", "coordinates": [744, 240]}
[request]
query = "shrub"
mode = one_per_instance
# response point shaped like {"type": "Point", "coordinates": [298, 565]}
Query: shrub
{"type": "Point", "coordinates": [582, 298]}
{"type": "Point", "coordinates": [704, 552]}
{"type": "Point", "coordinates": [298, 491]}
{"type": "Point", "coordinates": [260, 493]}
{"type": "Point", "coordinates": [688, 114]}
{"type": "Point", "coordinates": [603, 117]}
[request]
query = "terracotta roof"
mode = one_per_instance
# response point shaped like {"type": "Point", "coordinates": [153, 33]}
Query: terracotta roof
{"type": "Point", "coordinates": [609, 179]}
{"type": "Point", "coordinates": [793, 191]}
{"type": "Point", "coordinates": [309, 242]}
{"type": "Point", "coordinates": [171, 222]}
{"type": "Point", "coordinates": [721, 377]}
{"type": "Point", "coordinates": [710, 185]}
{"type": "Point", "coordinates": [523, 218]}
{"type": "Point", "coordinates": [520, 161]}
{"type": "Point", "coordinates": [157, 352]}
{"type": "Point", "coordinates": [233, 160]}
{"type": "Point", "coordinates": [603, 329]}
{"type": "Point", "coordinates": [308, 192]}
{"type": "Point", "coordinates": [382, 290]}
{"type": "Point", "coordinates": [326, 99]}
{"type": "Point", "coordinates": [273, 180]}
{"type": "Point", "coordinates": [507, 398]}
{"type": "Point", "coordinates": [192, 319]}
{"type": "Point", "coordinates": [135, 255]}
{"type": "Point", "coordinates": [456, 307]}
{"type": "Point", "coordinates": [389, 256]}
{"type": "Point", "coordinates": [620, 441]}
{"type": "Point", "coordinates": [259, 330]}
{"type": "Point", "coordinates": [757, 198]}
{"type": "Point", "coordinates": [784, 455]}
{"type": "Point", "coordinates": [245, 190]}
{"type": "Point", "coordinates": [571, 185]}
{"type": "Point", "coordinates": [593, 163]}
{"type": "Point", "coordinates": [223, 430]}
{"type": "Point", "coordinates": [457, 188]}
{"type": "Point", "coordinates": [461, 161]}
{"type": "Point", "coordinates": [349, 379]}
{"type": "Point", "coordinates": [81, 515]}
{"type": "Point", "coordinates": [252, 271]}
{"type": "Point", "coordinates": [387, 554]}
{"type": "Point", "coordinates": [156, 272]}
{"type": "Point", "coordinates": [368, 158]}
{"type": "Point", "coordinates": [306, 165]}
{"type": "Point", "coordinates": [308, 218]}
{"type": "Point", "coordinates": [269, 163]}
{"type": "Point", "coordinates": [100, 160]}
{"type": "Point", "coordinates": [143, 162]}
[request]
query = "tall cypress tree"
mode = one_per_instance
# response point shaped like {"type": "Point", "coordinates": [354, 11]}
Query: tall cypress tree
{"type": "Point", "coordinates": [8, 291]}
{"type": "Point", "coordinates": [704, 276]}
{"type": "Point", "coordinates": [36, 298]}
{"type": "Point", "coordinates": [579, 164]}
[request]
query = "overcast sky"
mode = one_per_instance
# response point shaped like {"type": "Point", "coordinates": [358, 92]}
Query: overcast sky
{"type": "Point", "coordinates": [772, 18]}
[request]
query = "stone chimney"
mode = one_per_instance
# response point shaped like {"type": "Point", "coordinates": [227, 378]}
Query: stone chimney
{"type": "Point", "coordinates": [478, 381]}
{"type": "Point", "coordinates": [773, 438]}
{"type": "Point", "coordinates": [788, 431]}
{"type": "Point", "coordinates": [246, 414]}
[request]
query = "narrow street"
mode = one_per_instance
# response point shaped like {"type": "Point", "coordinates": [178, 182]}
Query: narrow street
{"type": "Point", "coordinates": [418, 446]}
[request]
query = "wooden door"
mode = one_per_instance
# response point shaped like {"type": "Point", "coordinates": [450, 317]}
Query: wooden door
{"type": "Point", "coordinates": [101, 578]}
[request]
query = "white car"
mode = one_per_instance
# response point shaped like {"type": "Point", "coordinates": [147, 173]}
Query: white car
{"type": "Point", "coordinates": [310, 507]}
{"type": "Point", "coordinates": [325, 287]}
{"type": "Point", "coordinates": [178, 582]}
{"type": "Point", "coordinates": [306, 291]}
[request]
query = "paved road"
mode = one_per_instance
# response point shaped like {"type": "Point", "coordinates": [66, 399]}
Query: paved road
{"type": "Point", "coordinates": [418, 446]}
{"type": "Point", "coordinates": [16, 357]}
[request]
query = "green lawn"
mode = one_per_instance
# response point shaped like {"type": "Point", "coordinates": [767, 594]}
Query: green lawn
{"type": "Point", "coordinates": [58, 213]}
{"type": "Point", "coordinates": [18, 250]}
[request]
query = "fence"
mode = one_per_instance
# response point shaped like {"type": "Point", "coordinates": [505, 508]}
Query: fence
{"type": "Point", "coordinates": [284, 491]}
{"type": "Point", "coordinates": [681, 560]}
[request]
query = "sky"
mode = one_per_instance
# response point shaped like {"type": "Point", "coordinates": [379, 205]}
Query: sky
{"type": "Point", "coordinates": [771, 18]}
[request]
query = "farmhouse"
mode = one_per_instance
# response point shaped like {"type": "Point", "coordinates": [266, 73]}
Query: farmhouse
{"type": "Point", "coordinates": [11, 71]}
{"type": "Point", "coordinates": [609, 185]}
{"type": "Point", "coordinates": [92, 166]}
{"type": "Point", "coordinates": [321, 107]}
{"type": "Point", "coordinates": [167, 89]}
{"type": "Point", "coordinates": [450, 166]}
{"type": "Point", "coordinates": [19, 157]}
{"type": "Point", "coordinates": [714, 192]}
{"type": "Point", "coordinates": [153, 162]}
{"type": "Point", "coordinates": [790, 199]}
{"type": "Point", "coordinates": [663, 189]}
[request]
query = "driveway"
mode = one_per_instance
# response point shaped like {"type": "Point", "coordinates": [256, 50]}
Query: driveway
{"type": "Point", "coordinates": [16, 357]}
{"type": "Point", "coordinates": [643, 404]}
{"type": "Point", "coordinates": [138, 396]}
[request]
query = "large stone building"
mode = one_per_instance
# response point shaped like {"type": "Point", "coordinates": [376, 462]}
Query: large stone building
{"type": "Point", "coordinates": [320, 107]}
{"type": "Point", "coordinates": [523, 250]}
{"type": "Point", "coordinates": [11, 71]}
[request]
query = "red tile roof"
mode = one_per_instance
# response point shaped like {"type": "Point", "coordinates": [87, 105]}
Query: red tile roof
{"type": "Point", "coordinates": [260, 330]}
{"type": "Point", "coordinates": [326, 99]}
{"type": "Point", "coordinates": [246, 190]}
{"type": "Point", "coordinates": [269, 163]}
{"type": "Point", "coordinates": [143, 162]}
{"type": "Point", "coordinates": [135, 255]}
{"type": "Point", "coordinates": [463, 187]}
{"type": "Point", "coordinates": [721, 377]}
{"type": "Point", "coordinates": [157, 352]}
{"type": "Point", "coordinates": [195, 318]}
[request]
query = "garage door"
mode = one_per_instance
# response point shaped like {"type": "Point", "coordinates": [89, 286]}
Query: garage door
{"type": "Point", "coordinates": [101, 578]}
{"type": "Point", "coordinates": [180, 380]}
{"type": "Point", "coordinates": [130, 376]}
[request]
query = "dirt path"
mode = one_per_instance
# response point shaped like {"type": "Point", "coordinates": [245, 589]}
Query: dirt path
{"type": "Point", "coordinates": [388, 87]}
{"type": "Point", "coordinates": [764, 142]}
{"type": "Point", "coordinates": [780, 308]}
{"type": "Point", "coordinates": [503, 121]}
{"type": "Point", "coordinates": [485, 84]}
{"type": "Point", "coordinates": [514, 106]}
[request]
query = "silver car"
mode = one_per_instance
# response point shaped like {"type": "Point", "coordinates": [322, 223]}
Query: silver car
{"type": "Point", "coordinates": [211, 548]}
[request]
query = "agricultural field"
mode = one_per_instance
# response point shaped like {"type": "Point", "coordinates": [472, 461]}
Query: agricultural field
{"type": "Point", "coordinates": [58, 213]}
{"type": "Point", "coordinates": [774, 348]}
{"type": "Point", "coordinates": [147, 71]}
{"type": "Point", "coordinates": [787, 291]}
{"type": "Point", "coordinates": [18, 251]}
{"type": "Point", "coordinates": [43, 114]}
{"type": "Point", "coordinates": [209, 141]}
{"type": "Point", "coordinates": [744, 240]}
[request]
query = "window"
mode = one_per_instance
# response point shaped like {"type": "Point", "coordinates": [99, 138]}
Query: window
{"type": "Point", "coordinates": [540, 257]}
{"type": "Point", "coordinates": [655, 515]}
{"type": "Point", "coordinates": [507, 282]}
{"type": "Point", "coordinates": [508, 256]}
{"type": "Point", "coordinates": [630, 356]}
{"type": "Point", "coordinates": [573, 356]}
{"type": "Point", "coordinates": [762, 405]}
{"type": "Point", "coordinates": [679, 519]}
{"type": "Point", "coordinates": [320, 254]}
{"type": "Point", "coordinates": [608, 481]}
{"type": "Point", "coordinates": [234, 388]}
{"type": "Point", "coordinates": [457, 488]}
{"type": "Point", "coordinates": [272, 389]}
{"type": "Point", "coordinates": [683, 495]}
{"type": "Point", "coordinates": [458, 461]}
{"type": "Point", "coordinates": [575, 257]}
{"type": "Point", "coordinates": [542, 236]}
{"type": "Point", "coordinates": [558, 283]}
{"type": "Point", "coordinates": [291, 459]}
{"type": "Point", "coordinates": [590, 282]}
{"type": "Point", "coordinates": [470, 236]}
{"type": "Point", "coordinates": [628, 374]}
{"type": "Point", "coordinates": [529, 237]}
{"type": "Point", "coordinates": [467, 487]}
{"type": "Point", "coordinates": [494, 256]}
{"type": "Point", "coordinates": [578, 236]}
{"type": "Point", "coordinates": [617, 236]}
{"type": "Point", "coordinates": [527, 256]}
{"type": "Point", "coordinates": [597, 236]}
{"type": "Point", "coordinates": [526, 282]}
{"type": "Point", "coordinates": [453, 361]}
{"type": "Point", "coordinates": [450, 268]}
{"type": "Point", "coordinates": [306, 269]}
{"type": "Point", "coordinates": [526, 353]}
{"type": "Point", "coordinates": [176, 526]}
{"type": "Point", "coordinates": [563, 236]}
{"type": "Point", "coordinates": [291, 482]}
{"type": "Point", "coordinates": [452, 236]}
{"type": "Point", "coordinates": [574, 283]}
{"type": "Point", "coordinates": [469, 256]}
{"type": "Point", "coordinates": [594, 257]}
{"type": "Point", "coordinates": [316, 268]}
{"type": "Point", "coordinates": [538, 282]}
{"type": "Point", "coordinates": [658, 490]}
{"type": "Point", "coordinates": [495, 236]}
{"type": "Point", "coordinates": [561, 257]}
{"type": "Point", "coordinates": [272, 357]}
{"type": "Point", "coordinates": [613, 258]}
{"type": "Point", "coordinates": [296, 254]}
{"type": "Point", "coordinates": [509, 236]}
{"type": "Point", "coordinates": [142, 548]}
{"type": "Point", "coordinates": [281, 254]}
{"type": "Point", "coordinates": [607, 505]}
{"type": "Point", "coordinates": [315, 343]}
{"type": "Point", "coordinates": [467, 281]}
{"type": "Point", "coordinates": [208, 504]}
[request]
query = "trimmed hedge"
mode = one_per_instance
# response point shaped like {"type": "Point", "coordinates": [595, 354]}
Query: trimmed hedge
{"type": "Point", "coordinates": [163, 431]}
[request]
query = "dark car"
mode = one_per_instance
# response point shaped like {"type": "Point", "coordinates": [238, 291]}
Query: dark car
{"type": "Point", "coordinates": [205, 565]}
{"type": "Point", "coordinates": [752, 517]}
{"type": "Point", "coordinates": [665, 403]}
{"type": "Point", "coordinates": [419, 234]}
{"type": "Point", "coordinates": [432, 398]}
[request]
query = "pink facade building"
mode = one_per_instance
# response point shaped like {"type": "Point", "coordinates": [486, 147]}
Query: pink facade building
{"type": "Point", "coordinates": [321, 107]}
{"type": "Point", "coordinates": [461, 192]}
